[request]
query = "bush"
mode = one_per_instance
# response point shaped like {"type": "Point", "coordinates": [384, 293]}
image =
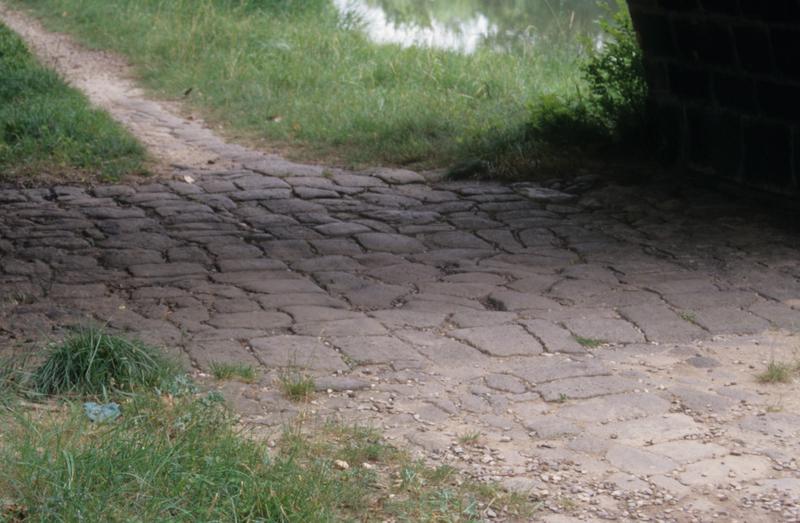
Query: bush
{"type": "Point", "coordinates": [615, 75]}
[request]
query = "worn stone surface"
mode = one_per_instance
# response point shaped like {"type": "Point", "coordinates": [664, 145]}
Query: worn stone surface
{"type": "Point", "coordinates": [432, 309]}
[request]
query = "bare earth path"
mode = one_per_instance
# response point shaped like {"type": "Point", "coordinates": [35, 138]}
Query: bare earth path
{"type": "Point", "coordinates": [602, 341]}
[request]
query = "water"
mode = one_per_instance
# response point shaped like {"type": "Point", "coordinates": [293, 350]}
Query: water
{"type": "Point", "coordinates": [467, 25]}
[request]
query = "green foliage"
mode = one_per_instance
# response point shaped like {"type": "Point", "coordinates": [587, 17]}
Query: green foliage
{"type": "Point", "coordinates": [47, 127]}
{"type": "Point", "coordinates": [226, 371]}
{"type": "Point", "coordinates": [91, 361]}
{"type": "Point", "coordinates": [778, 372]}
{"type": "Point", "coordinates": [184, 460]}
{"type": "Point", "coordinates": [615, 74]}
{"type": "Point", "coordinates": [339, 96]}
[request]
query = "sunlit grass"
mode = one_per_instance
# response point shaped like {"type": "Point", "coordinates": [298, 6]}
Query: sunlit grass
{"type": "Point", "coordinates": [290, 75]}
{"type": "Point", "coordinates": [49, 130]}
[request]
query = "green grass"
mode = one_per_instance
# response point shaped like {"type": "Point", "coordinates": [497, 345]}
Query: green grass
{"type": "Point", "coordinates": [778, 372]}
{"type": "Point", "coordinates": [589, 343]}
{"type": "Point", "coordinates": [227, 371]}
{"type": "Point", "coordinates": [296, 385]}
{"type": "Point", "coordinates": [182, 459]}
{"type": "Point", "coordinates": [49, 131]}
{"type": "Point", "coordinates": [469, 438]}
{"type": "Point", "coordinates": [339, 96]}
{"type": "Point", "coordinates": [91, 361]}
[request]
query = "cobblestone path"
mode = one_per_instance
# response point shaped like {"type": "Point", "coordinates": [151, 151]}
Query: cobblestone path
{"type": "Point", "coordinates": [592, 344]}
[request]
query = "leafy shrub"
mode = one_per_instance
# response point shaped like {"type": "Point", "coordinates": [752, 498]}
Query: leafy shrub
{"type": "Point", "coordinates": [615, 74]}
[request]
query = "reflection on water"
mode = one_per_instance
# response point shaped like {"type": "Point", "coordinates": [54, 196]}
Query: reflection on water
{"type": "Point", "coordinates": [466, 25]}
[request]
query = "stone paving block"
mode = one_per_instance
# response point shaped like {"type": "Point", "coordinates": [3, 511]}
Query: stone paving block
{"type": "Point", "coordinates": [225, 305]}
{"type": "Point", "coordinates": [476, 318]}
{"type": "Point", "coordinates": [778, 314]}
{"type": "Point", "coordinates": [515, 301]}
{"type": "Point", "coordinates": [89, 290]}
{"type": "Point", "coordinates": [534, 284]}
{"type": "Point", "coordinates": [251, 320]}
{"type": "Point", "coordinates": [327, 263]}
{"type": "Point", "coordinates": [554, 337]}
{"type": "Point", "coordinates": [313, 313]}
{"type": "Point", "coordinates": [688, 451]}
{"type": "Point", "coordinates": [650, 430]}
{"type": "Point", "coordinates": [544, 370]}
{"type": "Point", "coordinates": [721, 471]}
{"type": "Point", "coordinates": [393, 243]}
{"type": "Point", "coordinates": [585, 387]}
{"type": "Point", "coordinates": [456, 240]}
{"type": "Point", "coordinates": [283, 286]}
{"type": "Point", "coordinates": [287, 249]}
{"type": "Point", "coordinates": [729, 320]}
{"type": "Point", "coordinates": [639, 462]}
{"type": "Point", "coordinates": [661, 324]}
{"type": "Point", "coordinates": [705, 300]}
{"type": "Point", "coordinates": [398, 318]}
{"type": "Point", "coordinates": [348, 327]}
{"type": "Point", "coordinates": [551, 427]}
{"type": "Point", "coordinates": [406, 273]}
{"type": "Point", "coordinates": [701, 401]}
{"type": "Point", "coordinates": [397, 176]}
{"type": "Point", "coordinates": [250, 265]}
{"type": "Point", "coordinates": [220, 351]}
{"type": "Point", "coordinates": [376, 296]}
{"type": "Point", "coordinates": [303, 352]}
{"type": "Point", "coordinates": [778, 424]}
{"type": "Point", "coordinates": [166, 270]}
{"type": "Point", "coordinates": [340, 246]}
{"type": "Point", "coordinates": [605, 330]}
{"type": "Point", "coordinates": [276, 301]}
{"type": "Point", "coordinates": [617, 407]}
{"type": "Point", "coordinates": [440, 349]}
{"type": "Point", "coordinates": [505, 383]}
{"type": "Point", "coordinates": [506, 340]}
{"type": "Point", "coordinates": [123, 258]}
{"type": "Point", "coordinates": [370, 350]}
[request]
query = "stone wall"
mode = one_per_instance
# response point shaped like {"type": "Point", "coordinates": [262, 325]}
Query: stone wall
{"type": "Point", "coordinates": [725, 86]}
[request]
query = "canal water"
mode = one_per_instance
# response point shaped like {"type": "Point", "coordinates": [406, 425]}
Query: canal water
{"type": "Point", "coordinates": [468, 25]}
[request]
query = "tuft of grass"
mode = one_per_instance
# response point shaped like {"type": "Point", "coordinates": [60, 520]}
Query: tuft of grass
{"type": "Point", "coordinates": [688, 316]}
{"type": "Point", "coordinates": [91, 361]}
{"type": "Point", "coordinates": [589, 343]}
{"type": "Point", "coordinates": [49, 130]}
{"type": "Point", "coordinates": [183, 459]}
{"type": "Point", "coordinates": [469, 438]}
{"type": "Point", "coordinates": [777, 372]}
{"type": "Point", "coordinates": [227, 371]}
{"type": "Point", "coordinates": [296, 385]}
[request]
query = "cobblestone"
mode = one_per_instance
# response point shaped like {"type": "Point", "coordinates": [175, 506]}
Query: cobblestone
{"type": "Point", "coordinates": [600, 340]}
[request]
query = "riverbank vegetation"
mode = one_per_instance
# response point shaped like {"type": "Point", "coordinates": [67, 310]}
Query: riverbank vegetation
{"type": "Point", "coordinates": [304, 78]}
{"type": "Point", "coordinates": [48, 131]}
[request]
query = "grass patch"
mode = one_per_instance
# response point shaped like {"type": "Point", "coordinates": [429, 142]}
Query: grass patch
{"type": "Point", "coordinates": [688, 316]}
{"type": "Point", "coordinates": [778, 372]}
{"type": "Point", "coordinates": [182, 459]}
{"type": "Point", "coordinates": [226, 371]}
{"type": "Point", "coordinates": [469, 438]}
{"type": "Point", "coordinates": [91, 361]}
{"type": "Point", "coordinates": [48, 130]}
{"type": "Point", "coordinates": [295, 75]}
{"type": "Point", "coordinates": [589, 343]}
{"type": "Point", "coordinates": [296, 385]}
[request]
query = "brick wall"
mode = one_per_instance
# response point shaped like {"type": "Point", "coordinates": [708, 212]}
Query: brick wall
{"type": "Point", "coordinates": [725, 86]}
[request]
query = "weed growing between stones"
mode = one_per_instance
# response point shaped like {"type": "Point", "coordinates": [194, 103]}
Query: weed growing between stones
{"type": "Point", "coordinates": [778, 372]}
{"type": "Point", "coordinates": [296, 385]}
{"type": "Point", "coordinates": [589, 343]}
{"type": "Point", "coordinates": [226, 371]}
